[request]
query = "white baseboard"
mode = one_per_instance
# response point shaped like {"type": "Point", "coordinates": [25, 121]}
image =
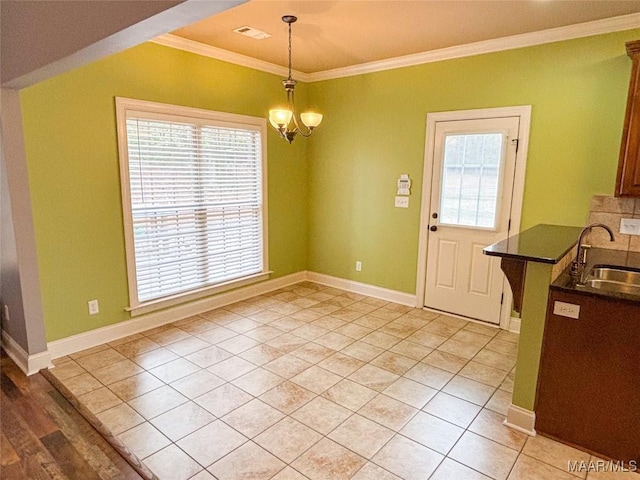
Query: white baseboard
{"type": "Point", "coordinates": [514, 325]}
{"type": "Point", "coordinates": [99, 336]}
{"type": "Point", "coordinates": [29, 364]}
{"type": "Point", "coordinates": [521, 419]}
{"type": "Point", "coordinates": [363, 289]}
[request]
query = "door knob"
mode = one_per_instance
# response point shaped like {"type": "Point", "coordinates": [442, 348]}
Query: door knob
{"type": "Point", "coordinates": [434, 215]}
{"type": "Point", "coordinates": [433, 228]}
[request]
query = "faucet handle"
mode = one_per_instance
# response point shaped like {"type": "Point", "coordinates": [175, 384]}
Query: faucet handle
{"type": "Point", "coordinates": [576, 271]}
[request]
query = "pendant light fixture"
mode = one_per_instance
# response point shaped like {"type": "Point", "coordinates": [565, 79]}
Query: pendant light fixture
{"type": "Point", "coordinates": [284, 119]}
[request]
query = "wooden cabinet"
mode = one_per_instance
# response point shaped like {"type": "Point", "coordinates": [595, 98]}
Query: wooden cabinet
{"type": "Point", "coordinates": [628, 180]}
{"type": "Point", "coordinates": [589, 382]}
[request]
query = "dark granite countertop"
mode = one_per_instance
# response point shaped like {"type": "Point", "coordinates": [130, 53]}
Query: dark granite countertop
{"type": "Point", "coordinates": [601, 257]}
{"type": "Point", "coordinates": [542, 243]}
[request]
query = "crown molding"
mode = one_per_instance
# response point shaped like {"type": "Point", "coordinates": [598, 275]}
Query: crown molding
{"type": "Point", "coordinates": [174, 41]}
{"type": "Point", "coordinates": [579, 30]}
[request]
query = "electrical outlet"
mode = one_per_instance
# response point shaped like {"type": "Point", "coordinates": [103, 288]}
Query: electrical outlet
{"type": "Point", "coordinates": [358, 266]}
{"type": "Point", "coordinates": [563, 309]}
{"type": "Point", "coordinates": [630, 226]}
{"type": "Point", "coordinates": [94, 308]}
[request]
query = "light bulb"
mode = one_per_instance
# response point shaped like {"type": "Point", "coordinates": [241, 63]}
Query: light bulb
{"type": "Point", "coordinates": [311, 119]}
{"type": "Point", "coordinates": [280, 117]}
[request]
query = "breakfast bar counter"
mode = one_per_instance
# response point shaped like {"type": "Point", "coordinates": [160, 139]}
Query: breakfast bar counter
{"type": "Point", "coordinates": [531, 261]}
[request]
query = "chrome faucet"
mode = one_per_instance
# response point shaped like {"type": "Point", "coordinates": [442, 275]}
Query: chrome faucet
{"type": "Point", "coordinates": [577, 266]}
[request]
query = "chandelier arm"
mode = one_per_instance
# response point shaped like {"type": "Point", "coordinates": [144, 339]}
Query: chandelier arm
{"type": "Point", "coordinates": [306, 135]}
{"type": "Point", "coordinates": [292, 107]}
{"type": "Point", "coordinates": [291, 100]}
{"type": "Point", "coordinates": [294, 116]}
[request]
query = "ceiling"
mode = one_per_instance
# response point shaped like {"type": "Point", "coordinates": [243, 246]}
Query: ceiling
{"type": "Point", "coordinates": [332, 34]}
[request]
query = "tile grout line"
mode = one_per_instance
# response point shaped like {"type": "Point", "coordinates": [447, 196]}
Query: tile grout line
{"type": "Point", "coordinates": [316, 363]}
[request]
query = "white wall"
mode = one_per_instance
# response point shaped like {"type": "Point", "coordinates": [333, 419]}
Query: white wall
{"type": "Point", "coordinates": [20, 275]}
{"type": "Point", "coordinates": [10, 293]}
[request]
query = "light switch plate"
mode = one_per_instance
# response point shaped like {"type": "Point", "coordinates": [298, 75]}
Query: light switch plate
{"type": "Point", "coordinates": [564, 309]}
{"type": "Point", "coordinates": [630, 226]}
{"type": "Point", "coordinates": [402, 202]}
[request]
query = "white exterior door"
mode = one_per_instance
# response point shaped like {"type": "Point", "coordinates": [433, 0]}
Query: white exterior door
{"type": "Point", "coordinates": [471, 192]}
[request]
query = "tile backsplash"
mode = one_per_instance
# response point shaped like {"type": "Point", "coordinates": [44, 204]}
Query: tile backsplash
{"type": "Point", "coordinates": [610, 210]}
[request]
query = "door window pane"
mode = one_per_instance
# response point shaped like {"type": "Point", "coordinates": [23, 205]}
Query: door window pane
{"type": "Point", "coordinates": [470, 180]}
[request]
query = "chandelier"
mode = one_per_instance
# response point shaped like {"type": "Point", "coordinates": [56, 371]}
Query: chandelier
{"type": "Point", "coordinates": [284, 119]}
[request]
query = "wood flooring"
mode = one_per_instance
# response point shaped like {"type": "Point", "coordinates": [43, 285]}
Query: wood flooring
{"type": "Point", "coordinates": [43, 437]}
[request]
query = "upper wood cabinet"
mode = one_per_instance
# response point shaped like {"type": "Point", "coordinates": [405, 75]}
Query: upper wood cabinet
{"type": "Point", "coordinates": [628, 181]}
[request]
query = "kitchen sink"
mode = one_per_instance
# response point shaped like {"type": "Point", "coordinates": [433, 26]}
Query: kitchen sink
{"type": "Point", "coordinates": [614, 279]}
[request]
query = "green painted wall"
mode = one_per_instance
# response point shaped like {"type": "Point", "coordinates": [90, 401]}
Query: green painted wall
{"type": "Point", "coordinates": [534, 312]}
{"type": "Point", "coordinates": [330, 197]}
{"type": "Point", "coordinates": [71, 143]}
{"type": "Point", "coordinates": [374, 130]}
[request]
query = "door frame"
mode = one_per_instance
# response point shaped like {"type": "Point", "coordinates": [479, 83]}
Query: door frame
{"type": "Point", "coordinates": [522, 111]}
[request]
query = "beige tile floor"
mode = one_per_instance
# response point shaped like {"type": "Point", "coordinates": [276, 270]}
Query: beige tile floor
{"type": "Point", "coordinates": [314, 382]}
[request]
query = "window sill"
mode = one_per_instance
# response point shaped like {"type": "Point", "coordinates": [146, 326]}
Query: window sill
{"type": "Point", "coordinates": [166, 302]}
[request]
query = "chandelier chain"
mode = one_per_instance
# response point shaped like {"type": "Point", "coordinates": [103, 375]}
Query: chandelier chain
{"type": "Point", "coordinates": [289, 51]}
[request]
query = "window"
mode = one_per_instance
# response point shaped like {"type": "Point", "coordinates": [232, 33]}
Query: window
{"type": "Point", "coordinates": [193, 189]}
{"type": "Point", "coordinates": [470, 179]}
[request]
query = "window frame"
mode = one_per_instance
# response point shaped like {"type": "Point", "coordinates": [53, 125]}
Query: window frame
{"type": "Point", "coordinates": [126, 107]}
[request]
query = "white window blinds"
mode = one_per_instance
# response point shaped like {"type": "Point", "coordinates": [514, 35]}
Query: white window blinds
{"type": "Point", "coordinates": [196, 195]}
